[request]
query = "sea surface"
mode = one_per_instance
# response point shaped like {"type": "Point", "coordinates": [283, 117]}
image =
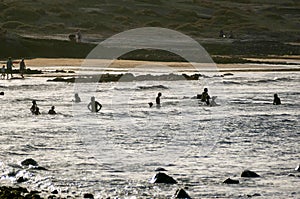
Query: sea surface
{"type": "Point", "coordinates": [114, 153]}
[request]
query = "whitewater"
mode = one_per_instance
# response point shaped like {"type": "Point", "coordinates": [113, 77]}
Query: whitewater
{"type": "Point", "coordinates": [114, 153]}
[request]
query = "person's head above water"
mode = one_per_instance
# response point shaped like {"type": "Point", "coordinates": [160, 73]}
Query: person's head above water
{"type": "Point", "coordinates": [33, 102]}
{"type": "Point", "coordinates": [159, 94]}
{"type": "Point", "coordinates": [275, 95]}
{"type": "Point", "coordinates": [93, 99]}
{"type": "Point", "coordinates": [53, 107]}
{"type": "Point", "coordinates": [205, 90]}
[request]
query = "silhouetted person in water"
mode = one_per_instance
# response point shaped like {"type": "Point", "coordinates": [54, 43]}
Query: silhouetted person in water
{"type": "Point", "coordinates": [158, 99]}
{"type": "Point", "coordinates": [37, 111]}
{"type": "Point", "coordinates": [52, 111]}
{"type": "Point", "coordinates": [205, 97]}
{"type": "Point", "coordinates": [276, 100]}
{"type": "Point", "coordinates": [33, 107]}
{"type": "Point", "coordinates": [94, 106]}
{"type": "Point", "coordinates": [77, 98]}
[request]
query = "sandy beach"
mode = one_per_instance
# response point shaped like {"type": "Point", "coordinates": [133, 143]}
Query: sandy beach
{"type": "Point", "coordinates": [288, 63]}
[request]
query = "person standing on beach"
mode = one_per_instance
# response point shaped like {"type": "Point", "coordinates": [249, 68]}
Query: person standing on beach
{"type": "Point", "coordinates": [276, 100]}
{"type": "Point", "coordinates": [3, 72]}
{"type": "Point", "coordinates": [22, 67]}
{"type": "Point", "coordinates": [205, 97]}
{"type": "Point", "coordinates": [78, 36]}
{"type": "Point", "coordinates": [9, 65]}
{"type": "Point", "coordinates": [94, 106]}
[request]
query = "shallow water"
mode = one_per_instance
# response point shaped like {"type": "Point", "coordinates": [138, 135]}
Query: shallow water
{"type": "Point", "coordinates": [115, 152]}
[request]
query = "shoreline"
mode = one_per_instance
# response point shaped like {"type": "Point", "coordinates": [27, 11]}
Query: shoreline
{"type": "Point", "coordinates": [286, 63]}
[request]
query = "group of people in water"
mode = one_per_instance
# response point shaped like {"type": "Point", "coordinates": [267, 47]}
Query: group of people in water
{"type": "Point", "coordinates": [35, 110]}
{"type": "Point", "coordinates": [94, 106]}
{"type": "Point", "coordinates": [8, 70]}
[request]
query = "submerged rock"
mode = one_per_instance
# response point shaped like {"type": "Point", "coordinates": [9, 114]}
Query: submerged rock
{"type": "Point", "coordinates": [28, 162]}
{"type": "Point", "coordinates": [231, 181]}
{"type": "Point", "coordinates": [163, 178]}
{"type": "Point", "coordinates": [181, 193]}
{"type": "Point", "coordinates": [249, 174]}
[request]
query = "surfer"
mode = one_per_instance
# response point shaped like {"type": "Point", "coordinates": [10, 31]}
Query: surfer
{"type": "Point", "coordinates": [205, 97]}
{"type": "Point", "coordinates": [52, 111]}
{"type": "Point", "coordinates": [94, 106]}
{"type": "Point", "coordinates": [276, 100]}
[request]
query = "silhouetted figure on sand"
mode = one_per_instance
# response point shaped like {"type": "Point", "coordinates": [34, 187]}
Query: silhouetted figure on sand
{"type": "Point", "coordinates": [3, 72]}
{"type": "Point", "coordinates": [94, 106]}
{"type": "Point", "coordinates": [9, 65]}
{"type": "Point", "coordinates": [205, 97]}
{"type": "Point", "coordinates": [22, 68]}
{"type": "Point", "coordinates": [52, 111]}
{"type": "Point", "coordinates": [276, 100]}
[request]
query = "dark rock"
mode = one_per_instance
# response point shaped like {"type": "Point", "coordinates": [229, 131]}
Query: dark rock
{"type": "Point", "coordinates": [254, 195]}
{"type": "Point", "coordinates": [160, 169]}
{"type": "Point", "coordinates": [21, 179]}
{"type": "Point", "coordinates": [28, 162]}
{"type": "Point", "coordinates": [88, 195]}
{"type": "Point", "coordinates": [163, 178]}
{"type": "Point", "coordinates": [228, 74]}
{"type": "Point", "coordinates": [297, 168]}
{"type": "Point", "coordinates": [291, 175]}
{"type": "Point", "coordinates": [2, 93]}
{"type": "Point", "coordinates": [181, 193]}
{"type": "Point", "coordinates": [249, 174]}
{"type": "Point", "coordinates": [54, 192]}
{"type": "Point", "coordinates": [231, 181]}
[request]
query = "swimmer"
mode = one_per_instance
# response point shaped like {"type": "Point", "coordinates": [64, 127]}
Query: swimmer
{"type": "Point", "coordinates": [94, 106]}
{"type": "Point", "coordinates": [77, 98]}
{"type": "Point", "coordinates": [33, 107]}
{"type": "Point", "coordinates": [205, 97]}
{"type": "Point", "coordinates": [158, 99]}
{"type": "Point", "coordinates": [52, 111]}
{"type": "Point", "coordinates": [276, 100]}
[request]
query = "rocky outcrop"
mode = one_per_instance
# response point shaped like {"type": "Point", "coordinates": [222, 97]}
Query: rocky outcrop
{"type": "Point", "coordinates": [162, 178]}
{"type": "Point", "coordinates": [249, 174]}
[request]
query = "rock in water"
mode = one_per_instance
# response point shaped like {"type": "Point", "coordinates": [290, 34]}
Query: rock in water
{"type": "Point", "coordinates": [231, 181]}
{"type": "Point", "coordinates": [163, 178]}
{"type": "Point", "coordinates": [181, 193]}
{"type": "Point", "coordinates": [160, 169]}
{"type": "Point", "coordinates": [88, 195]}
{"type": "Point", "coordinates": [249, 174]}
{"type": "Point", "coordinates": [297, 168]}
{"type": "Point", "coordinates": [28, 162]}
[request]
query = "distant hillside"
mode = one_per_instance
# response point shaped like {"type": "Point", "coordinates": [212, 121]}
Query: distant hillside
{"type": "Point", "coordinates": [248, 19]}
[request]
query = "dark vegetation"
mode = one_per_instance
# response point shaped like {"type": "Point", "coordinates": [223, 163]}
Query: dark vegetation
{"type": "Point", "coordinates": [260, 27]}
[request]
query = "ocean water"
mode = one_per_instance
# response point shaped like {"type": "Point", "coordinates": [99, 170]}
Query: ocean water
{"type": "Point", "coordinates": [114, 153]}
